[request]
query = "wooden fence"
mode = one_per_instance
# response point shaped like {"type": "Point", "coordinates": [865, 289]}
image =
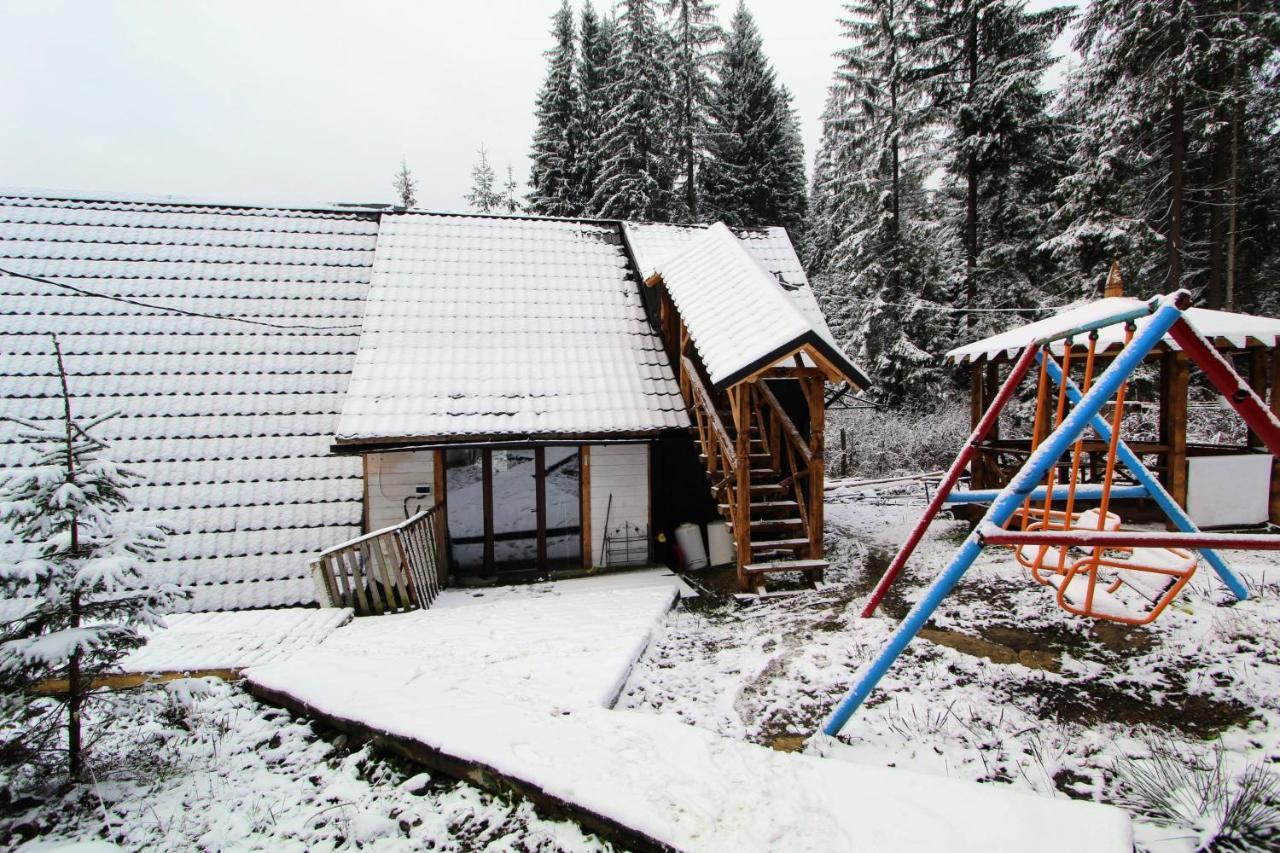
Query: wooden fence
{"type": "Point", "coordinates": [387, 571]}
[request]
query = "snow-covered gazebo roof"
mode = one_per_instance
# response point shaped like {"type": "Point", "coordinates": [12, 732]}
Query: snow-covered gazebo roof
{"type": "Point", "coordinates": [1226, 329]}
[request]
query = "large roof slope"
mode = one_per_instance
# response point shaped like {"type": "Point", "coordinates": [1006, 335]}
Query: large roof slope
{"type": "Point", "coordinates": [506, 327]}
{"type": "Point", "coordinates": [230, 422]}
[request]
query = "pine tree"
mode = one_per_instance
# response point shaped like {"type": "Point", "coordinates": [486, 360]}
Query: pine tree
{"type": "Point", "coordinates": [755, 170]}
{"type": "Point", "coordinates": [83, 579]}
{"type": "Point", "coordinates": [595, 60]}
{"type": "Point", "coordinates": [556, 188]}
{"type": "Point", "coordinates": [882, 255]}
{"type": "Point", "coordinates": [695, 36]}
{"type": "Point", "coordinates": [637, 164]}
{"type": "Point", "coordinates": [484, 196]}
{"type": "Point", "coordinates": [405, 186]}
{"type": "Point", "coordinates": [985, 61]}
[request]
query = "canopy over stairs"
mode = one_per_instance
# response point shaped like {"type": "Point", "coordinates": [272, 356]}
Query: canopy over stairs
{"type": "Point", "coordinates": [751, 362]}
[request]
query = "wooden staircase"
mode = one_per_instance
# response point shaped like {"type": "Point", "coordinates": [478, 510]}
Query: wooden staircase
{"type": "Point", "coordinates": [766, 477]}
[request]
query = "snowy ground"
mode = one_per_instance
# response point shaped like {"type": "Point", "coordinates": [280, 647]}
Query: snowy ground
{"type": "Point", "coordinates": [1012, 690]}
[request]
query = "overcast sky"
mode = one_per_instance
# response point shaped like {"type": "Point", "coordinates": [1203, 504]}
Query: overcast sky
{"type": "Point", "coordinates": [304, 102]}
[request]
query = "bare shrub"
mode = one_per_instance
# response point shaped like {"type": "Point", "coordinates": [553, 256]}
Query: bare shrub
{"type": "Point", "coordinates": [1181, 786]}
{"type": "Point", "coordinates": [887, 443]}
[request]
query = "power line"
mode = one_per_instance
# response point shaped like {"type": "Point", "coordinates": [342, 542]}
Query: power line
{"type": "Point", "coordinates": [137, 303]}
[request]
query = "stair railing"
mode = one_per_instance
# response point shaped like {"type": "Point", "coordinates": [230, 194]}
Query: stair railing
{"type": "Point", "coordinates": [391, 570]}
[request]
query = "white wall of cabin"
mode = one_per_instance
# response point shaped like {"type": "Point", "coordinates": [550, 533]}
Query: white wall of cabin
{"type": "Point", "coordinates": [620, 470]}
{"type": "Point", "coordinates": [390, 478]}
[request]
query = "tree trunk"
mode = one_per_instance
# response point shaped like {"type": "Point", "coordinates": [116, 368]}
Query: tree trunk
{"type": "Point", "coordinates": [75, 686]}
{"type": "Point", "coordinates": [971, 177]}
{"type": "Point", "coordinates": [1233, 190]}
{"type": "Point", "coordinates": [1177, 156]}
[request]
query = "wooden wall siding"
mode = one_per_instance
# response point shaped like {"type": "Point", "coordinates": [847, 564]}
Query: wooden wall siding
{"type": "Point", "coordinates": [389, 479]}
{"type": "Point", "coordinates": [620, 470]}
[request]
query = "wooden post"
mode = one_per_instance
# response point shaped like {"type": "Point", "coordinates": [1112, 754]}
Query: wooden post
{"type": "Point", "coordinates": [1258, 382]}
{"type": "Point", "coordinates": [844, 454]}
{"type": "Point", "coordinates": [440, 470]}
{"type": "Point", "coordinates": [739, 406]}
{"type": "Point", "coordinates": [540, 501]}
{"type": "Point", "coordinates": [817, 425]}
{"type": "Point", "coordinates": [486, 475]}
{"type": "Point", "coordinates": [1275, 463]}
{"type": "Point", "coordinates": [584, 491]}
{"type": "Point", "coordinates": [1175, 377]}
{"type": "Point", "coordinates": [977, 405]}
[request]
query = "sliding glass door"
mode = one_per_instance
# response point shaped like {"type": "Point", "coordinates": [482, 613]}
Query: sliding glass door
{"type": "Point", "coordinates": [513, 509]}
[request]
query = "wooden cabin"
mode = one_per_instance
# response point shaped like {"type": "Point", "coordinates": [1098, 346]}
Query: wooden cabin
{"type": "Point", "coordinates": [293, 378]}
{"type": "Point", "coordinates": [1219, 484]}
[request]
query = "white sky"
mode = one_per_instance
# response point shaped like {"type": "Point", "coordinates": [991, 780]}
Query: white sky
{"type": "Point", "coordinates": [305, 102]}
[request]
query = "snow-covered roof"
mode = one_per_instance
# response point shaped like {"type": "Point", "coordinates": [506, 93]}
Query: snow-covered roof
{"type": "Point", "coordinates": [230, 422]}
{"type": "Point", "coordinates": [496, 326]}
{"type": "Point", "coordinates": [652, 243]}
{"type": "Point", "coordinates": [1224, 328]}
{"type": "Point", "coordinates": [738, 315]}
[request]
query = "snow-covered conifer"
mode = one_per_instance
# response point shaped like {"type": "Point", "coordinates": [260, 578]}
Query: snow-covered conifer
{"type": "Point", "coordinates": [554, 180]}
{"type": "Point", "coordinates": [81, 580]}
{"type": "Point", "coordinates": [695, 36]}
{"type": "Point", "coordinates": [484, 196]}
{"type": "Point", "coordinates": [405, 186]}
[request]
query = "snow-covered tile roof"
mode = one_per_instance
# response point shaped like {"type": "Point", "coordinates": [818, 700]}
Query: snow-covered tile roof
{"type": "Point", "coordinates": [230, 422]}
{"type": "Point", "coordinates": [1222, 327]}
{"type": "Point", "coordinates": [493, 326]}
{"type": "Point", "coordinates": [738, 315]}
{"type": "Point", "coordinates": [653, 242]}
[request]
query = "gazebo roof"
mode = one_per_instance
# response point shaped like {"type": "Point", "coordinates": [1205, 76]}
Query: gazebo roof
{"type": "Point", "coordinates": [1225, 329]}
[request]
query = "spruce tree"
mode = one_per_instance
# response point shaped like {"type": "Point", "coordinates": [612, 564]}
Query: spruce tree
{"type": "Point", "coordinates": [510, 201]}
{"type": "Point", "coordinates": [754, 173]}
{"type": "Point", "coordinates": [882, 255]}
{"type": "Point", "coordinates": [484, 196]}
{"type": "Point", "coordinates": [695, 36]}
{"type": "Point", "coordinates": [595, 60]}
{"type": "Point", "coordinates": [984, 61]}
{"type": "Point", "coordinates": [554, 179]}
{"type": "Point", "coordinates": [637, 162]}
{"type": "Point", "coordinates": [82, 580]}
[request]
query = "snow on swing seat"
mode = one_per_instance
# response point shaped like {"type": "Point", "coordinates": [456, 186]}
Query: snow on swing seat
{"type": "Point", "coordinates": [1074, 590]}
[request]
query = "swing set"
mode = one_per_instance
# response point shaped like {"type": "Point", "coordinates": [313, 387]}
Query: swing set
{"type": "Point", "coordinates": [1094, 566]}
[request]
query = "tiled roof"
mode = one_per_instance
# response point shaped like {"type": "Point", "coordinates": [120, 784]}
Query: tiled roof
{"type": "Point", "coordinates": [230, 422]}
{"type": "Point", "coordinates": [739, 317]}
{"type": "Point", "coordinates": [652, 243]}
{"type": "Point", "coordinates": [492, 326]}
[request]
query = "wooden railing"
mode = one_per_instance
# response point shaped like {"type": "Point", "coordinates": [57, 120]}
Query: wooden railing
{"type": "Point", "coordinates": [390, 570]}
{"type": "Point", "coordinates": [796, 459]}
{"type": "Point", "coordinates": [721, 456]}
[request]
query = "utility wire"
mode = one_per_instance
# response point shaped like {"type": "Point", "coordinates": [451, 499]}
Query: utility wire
{"type": "Point", "coordinates": [137, 303]}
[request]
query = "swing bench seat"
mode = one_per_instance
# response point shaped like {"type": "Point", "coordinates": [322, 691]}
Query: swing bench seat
{"type": "Point", "coordinates": [1156, 575]}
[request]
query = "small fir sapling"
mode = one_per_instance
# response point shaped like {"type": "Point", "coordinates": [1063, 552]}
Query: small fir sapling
{"type": "Point", "coordinates": [484, 196]}
{"type": "Point", "coordinates": [80, 579]}
{"type": "Point", "coordinates": [405, 186]}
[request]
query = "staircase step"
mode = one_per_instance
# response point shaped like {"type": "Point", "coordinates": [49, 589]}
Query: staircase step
{"type": "Point", "coordinates": [780, 545]}
{"type": "Point", "coordinates": [754, 457]}
{"type": "Point", "coordinates": [775, 525]}
{"type": "Point", "coordinates": [768, 506]}
{"type": "Point", "coordinates": [785, 566]}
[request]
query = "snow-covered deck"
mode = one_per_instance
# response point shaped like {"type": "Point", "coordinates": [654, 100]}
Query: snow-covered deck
{"type": "Point", "coordinates": [516, 686]}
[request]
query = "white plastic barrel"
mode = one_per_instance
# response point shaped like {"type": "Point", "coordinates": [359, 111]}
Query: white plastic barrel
{"type": "Point", "coordinates": [719, 543]}
{"type": "Point", "coordinates": [689, 540]}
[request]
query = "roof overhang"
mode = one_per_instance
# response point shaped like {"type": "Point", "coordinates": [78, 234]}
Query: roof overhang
{"type": "Point", "coordinates": [354, 447]}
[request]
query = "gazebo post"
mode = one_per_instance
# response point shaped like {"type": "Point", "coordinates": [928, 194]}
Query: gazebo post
{"type": "Point", "coordinates": [1275, 463]}
{"type": "Point", "coordinates": [1175, 375]}
{"type": "Point", "coordinates": [977, 405]}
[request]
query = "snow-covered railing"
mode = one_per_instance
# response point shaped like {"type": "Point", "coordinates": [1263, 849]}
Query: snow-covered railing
{"type": "Point", "coordinates": [386, 571]}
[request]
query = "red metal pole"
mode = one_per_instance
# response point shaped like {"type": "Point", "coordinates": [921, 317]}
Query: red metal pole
{"type": "Point", "coordinates": [989, 418]}
{"type": "Point", "coordinates": [1224, 377]}
{"type": "Point", "coordinates": [1083, 538]}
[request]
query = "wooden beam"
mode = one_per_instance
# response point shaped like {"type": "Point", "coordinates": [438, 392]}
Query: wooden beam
{"type": "Point", "coordinates": [817, 469]}
{"type": "Point", "coordinates": [739, 405]}
{"type": "Point", "coordinates": [977, 405]}
{"type": "Point", "coordinates": [584, 496]}
{"type": "Point", "coordinates": [486, 478]}
{"type": "Point", "coordinates": [1178, 389]}
{"type": "Point", "coordinates": [130, 680]}
{"type": "Point", "coordinates": [441, 479]}
{"type": "Point", "coordinates": [1275, 463]}
{"type": "Point", "coordinates": [1258, 370]}
{"type": "Point", "coordinates": [540, 490]}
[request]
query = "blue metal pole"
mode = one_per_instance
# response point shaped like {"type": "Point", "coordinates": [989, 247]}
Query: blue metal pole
{"type": "Point", "coordinates": [1163, 499]}
{"type": "Point", "coordinates": [1011, 497]}
{"type": "Point", "coordinates": [1087, 492]}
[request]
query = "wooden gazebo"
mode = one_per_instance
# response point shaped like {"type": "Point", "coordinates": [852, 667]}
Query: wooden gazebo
{"type": "Point", "coordinates": [1189, 470]}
